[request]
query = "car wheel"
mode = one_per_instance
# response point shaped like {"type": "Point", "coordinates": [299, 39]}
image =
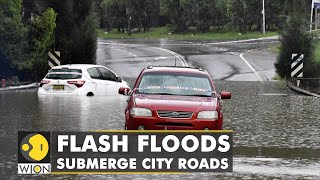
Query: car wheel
{"type": "Point", "coordinates": [90, 94]}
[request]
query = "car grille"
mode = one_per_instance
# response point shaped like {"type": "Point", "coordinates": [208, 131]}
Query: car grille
{"type": "Point", "coordinates": [174, 114]}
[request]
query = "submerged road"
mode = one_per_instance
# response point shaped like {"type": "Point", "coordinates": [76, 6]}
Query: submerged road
{"type": "Point", "coordinates": [238, 61]}
{"type": "Point", "coordinates": [277, 132]}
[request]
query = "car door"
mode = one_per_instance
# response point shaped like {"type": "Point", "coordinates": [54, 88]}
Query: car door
{"type": "Point", "coordinates": [98, 80]}
{"type": "Point", "coordinates": [110, 80]}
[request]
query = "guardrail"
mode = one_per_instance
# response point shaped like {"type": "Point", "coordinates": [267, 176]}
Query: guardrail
{"type": "Point", "coordinates": [27, 86]}
{"type": "Point", "coordinates": [311, 85]}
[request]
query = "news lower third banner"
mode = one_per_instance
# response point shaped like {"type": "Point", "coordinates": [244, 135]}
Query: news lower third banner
{"type": "Point", "coordinates": [125, 152]}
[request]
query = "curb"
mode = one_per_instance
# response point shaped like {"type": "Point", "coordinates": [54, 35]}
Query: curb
{"type": "Point", "coordinates": [302, 91]}
{"type": "Point", "coordinates": [28, 86]}
{"type": "Point", "coordinates": [277, 37]}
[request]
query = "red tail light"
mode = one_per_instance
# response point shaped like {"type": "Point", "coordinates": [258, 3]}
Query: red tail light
{"type": "Point", "coordinates": [44, 82]}
{"type": "Point", "coordinates": [78, 83]}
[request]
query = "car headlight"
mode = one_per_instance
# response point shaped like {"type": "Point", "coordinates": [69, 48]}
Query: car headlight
{"type": "Point", "coordinates": [140, 112]}
{"type": "Point", "coordinates": [207, 115]}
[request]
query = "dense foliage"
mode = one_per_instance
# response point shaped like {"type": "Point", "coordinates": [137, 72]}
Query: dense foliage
{"type": "Point", "coordinates": [75, 35]}
{"type": "Point", "coordinates": [12, 36]}
{"type": "Point", "coordinates": [296, 39]}
{"type": "Point", "coordinates": [117, 14]}
{"type": "Point", "coordinates": [180, 15]}
{"type": "Point", "coordinates": [24, 45]}
{"type": "Point", "coordinates": [31, 28]}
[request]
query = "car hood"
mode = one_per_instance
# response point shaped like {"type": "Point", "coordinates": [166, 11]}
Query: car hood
{"type": "Point", "coordinates": [175, 103]}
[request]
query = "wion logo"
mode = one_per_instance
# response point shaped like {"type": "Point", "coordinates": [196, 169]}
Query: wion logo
{"type": "Point", "coordinates": [34, 153]}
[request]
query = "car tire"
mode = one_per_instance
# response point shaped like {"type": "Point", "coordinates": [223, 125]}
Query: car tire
{"type": "Point", "coordinates": [90, 94]}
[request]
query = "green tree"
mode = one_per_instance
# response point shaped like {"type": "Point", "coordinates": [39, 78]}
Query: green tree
{"type": "Point", "coordinates": [296, 39]}
{"type": "Point", "coordinates": [201, 13]}
{"type": "Point", "coordinates": [247, 13]}
{"type": "Point", "coordinates": [114, 14]}
{"type": "Point", "coordinates": [177, 15]}
{"type": "Point", "coordinates": [24, 46]}
{"type": "Point", "coordinates": [75, 33]}
{"type": "Point", "coordinates": [13, 34]}
{"type": "Point", "coordinates": [223, 14]}
{"type": "Point", "coordinates": [142, 11]}
{"type": "Point", "coordinates": [42, 36]}
{"type": "Point", "coordinates": [274, 12]}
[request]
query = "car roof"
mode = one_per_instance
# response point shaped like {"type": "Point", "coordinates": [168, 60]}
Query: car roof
{"type": "Point", "coordinates": [176, 69]}
{"type": "Point", "coordinates": [77, 66]}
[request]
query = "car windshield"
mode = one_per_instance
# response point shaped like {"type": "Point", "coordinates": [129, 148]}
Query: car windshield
{"type": "Point", "coordinates": [64, 73]}
{"type": "Point", "coordinates": [175, 84]}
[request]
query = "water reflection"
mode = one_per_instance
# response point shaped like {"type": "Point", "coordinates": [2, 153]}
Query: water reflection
{"type": "Point", "coordinates": [83, 113]}
{"type": "Point", "coordinates": [276, 152]}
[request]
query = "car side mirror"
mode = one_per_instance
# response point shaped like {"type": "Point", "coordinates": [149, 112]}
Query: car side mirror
{"type": "Point", "coordinates": [225, 95]}
{"type": "Point", "coordinates": [118, 79]}
{"type": "Point", "coordinates": [124, 91]}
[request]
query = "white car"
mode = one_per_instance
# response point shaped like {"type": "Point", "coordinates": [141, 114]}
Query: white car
{"type": "Point", "coordinates": [81, 79]}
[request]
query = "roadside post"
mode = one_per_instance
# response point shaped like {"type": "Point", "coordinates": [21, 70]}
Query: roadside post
{"type": "Point", "coordinates": [315, 5]}
{"type": "Point", "coordinates": [3, 83]}
{"type": "Point", "coordinates": [54, 59]}
{"type": "Point", "coordinates": [263, 18]}
{"type": "Point", "coordinates": [297, 67]}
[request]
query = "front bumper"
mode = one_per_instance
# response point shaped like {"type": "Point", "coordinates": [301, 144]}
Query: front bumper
{"type": "Point", "coordinates": [152, 123]}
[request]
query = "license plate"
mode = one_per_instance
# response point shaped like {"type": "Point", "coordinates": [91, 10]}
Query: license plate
{"type": "Point", "coordinates": [58, 87]}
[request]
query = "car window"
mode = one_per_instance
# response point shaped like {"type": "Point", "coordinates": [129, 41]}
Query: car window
{"type": "Point", "coordinates": [64, 73]}
{"type": "Point", "coordinates": [175, 84]}
{"type": "Point", "coordinates": [107, 74]}
{"type": "Point", "coordinates": [94, 73]}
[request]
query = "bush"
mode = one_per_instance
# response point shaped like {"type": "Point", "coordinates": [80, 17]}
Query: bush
{"type": "Point", "coordinates": [296, 39]}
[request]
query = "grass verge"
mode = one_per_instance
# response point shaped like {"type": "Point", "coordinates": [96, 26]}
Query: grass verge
{"type": "Point", "coordinates": [277, 78]}
{"type": "Point", "coordinates": [164, 32]}
{"type": "Point", "coordinates": [274, 48]}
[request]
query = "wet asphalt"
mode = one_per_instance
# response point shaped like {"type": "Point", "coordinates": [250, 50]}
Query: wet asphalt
{"type": "Point", "coordinates": [276, 131]}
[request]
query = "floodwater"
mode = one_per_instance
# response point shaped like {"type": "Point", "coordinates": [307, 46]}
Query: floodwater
{"type": "Point", "coordinates": [276, 132]}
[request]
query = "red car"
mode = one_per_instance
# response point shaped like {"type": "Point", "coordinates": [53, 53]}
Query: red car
{"type": "Point", "coordinates": [174, 98]}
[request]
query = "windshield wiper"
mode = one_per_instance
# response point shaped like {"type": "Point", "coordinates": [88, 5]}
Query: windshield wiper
{"type": "Point", "coordinates": [161, 93]}
{"type": "Point", "coordinates": [198, 95]}
{"type": "Point", "coordinates": [151, 93]}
